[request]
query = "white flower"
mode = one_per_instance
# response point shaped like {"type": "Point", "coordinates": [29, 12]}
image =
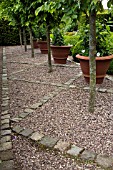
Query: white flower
{"type": "Point", "coordinates": [83, 51]}
{"type": "Point", "coordinates": [98, 54]}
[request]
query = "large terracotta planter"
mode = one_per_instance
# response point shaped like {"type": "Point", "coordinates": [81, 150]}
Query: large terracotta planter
{"type": "Point", "coordinates": [60, 53]}
{"type": "Point", "coordinates": [43, 47]}
{"type": "Point", "coordinates": [35, 43]}
{"type": "Point", "coordinates": [102, 65]}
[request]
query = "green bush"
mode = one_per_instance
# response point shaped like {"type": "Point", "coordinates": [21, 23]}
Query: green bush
{"type": "Point", "coordinates": [58, 38]}
{"type": "Point", "coordinates": [9, 34]}
{"type": "Point", "coordinates": [75, 41]}
{"type": "Point", "coordinates": [39, 32]}
{"type": "Point", "coordinates": [70, 33]}
{"type": "Point", "coordinates": [110, 70]}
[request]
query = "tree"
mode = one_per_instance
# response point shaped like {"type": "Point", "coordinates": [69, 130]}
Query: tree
{"type": "Point", "coordinates": [49, 13]}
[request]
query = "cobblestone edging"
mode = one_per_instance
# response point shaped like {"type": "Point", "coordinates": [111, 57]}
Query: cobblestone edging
{"type": "Point", "coordinates": [6, 153]}
{"type": "Point", "coordinates": [66, 148]}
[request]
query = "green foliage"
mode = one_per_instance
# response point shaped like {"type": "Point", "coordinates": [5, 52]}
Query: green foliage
{"type": "Point", "coordinates": [104, 42]}
{"type": "Point", "coordinates": [58, 38]}
{"type": "Point", "coordinates": [40, 33]}
{"type": "Point", "coordinates": [75, 41]}
{"type": "Point", "coordinates": [70, 33]}
{"type": "Point", "coordinates": [9, 34]}
{"type": "Point", "coordinates": [110, 70]}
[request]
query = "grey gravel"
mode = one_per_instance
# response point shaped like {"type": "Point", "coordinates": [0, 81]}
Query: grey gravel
{"type": "Point", "coordinates": [29, 157]}
{"type": "Point", "coordinates": [70, 120]}
{"type": "Point", "coordinates": [66, 116]}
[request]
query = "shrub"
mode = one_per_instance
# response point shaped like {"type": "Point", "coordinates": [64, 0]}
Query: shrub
{"type": "Point", "coordinates": [110, 70]}
{"type": "Point", "coordinates": [70, 33]}
{"type": "Point", "coordinates": [58, 38]}
{"type": "Point", "coordinates": [9, 34]}
{"type": "Point", "coordinates": [39, 32]}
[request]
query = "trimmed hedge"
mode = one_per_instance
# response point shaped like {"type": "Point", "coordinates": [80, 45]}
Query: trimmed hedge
{"type": "Point", "coordinates": [9, 34]}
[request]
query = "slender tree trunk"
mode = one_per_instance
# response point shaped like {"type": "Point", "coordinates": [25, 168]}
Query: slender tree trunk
{"type": "Point", "coordinates": [49, 50]}
{"type": "Point", "coordinates": [31, 42]}
{"type": "Point", "coordinates": [20, 35]}
{"type": "Point", "coordinates": [24, 37]}
{"type": "Point", "coordinates": [92, 63]}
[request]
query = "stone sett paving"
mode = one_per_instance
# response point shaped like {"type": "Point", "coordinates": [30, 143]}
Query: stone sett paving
{"type": "Point", "coordinates": [26, 149]}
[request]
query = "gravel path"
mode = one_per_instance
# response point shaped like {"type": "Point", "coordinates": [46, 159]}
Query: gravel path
{"type": "Point", "coordinates": [38, 73]}
{"type": "Point", "coordinates": [31, 157]}
{"type": "Point", "coordinates": [81, 83]}
{"type": "Point", "coordinates": [65, 116]}
{"type": "Point", "coordinates": [23, 94]}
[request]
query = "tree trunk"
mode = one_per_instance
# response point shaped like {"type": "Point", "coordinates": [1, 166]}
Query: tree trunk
{"type": "Point", "coordinates": [49, 50]}
{"type": "Point", "coordinates": [31, 42]}
{"type": "Point", "coordinates": [24, 37]}
{"type": "Point", "coordinates": [20, 35]}
{"type": "Point", "coordinates": [92, 62]}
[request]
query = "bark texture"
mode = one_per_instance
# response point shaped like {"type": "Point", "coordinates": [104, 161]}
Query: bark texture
{"type": "Point", "coordinates": [24, 37]}
{"type": "Point", "coordinates": [20, 35]}
{"type": "Point", "coordinates": [31, 42]}
{"type": "Point", "coordinates": [49, 50]}
{"type": "Point", "coordinates": [92, 62]}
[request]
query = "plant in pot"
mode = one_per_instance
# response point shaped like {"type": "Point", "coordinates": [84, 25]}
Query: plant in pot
{"type": "Point", "coordinates": [104, 51]}
{"type": "Point", "coordinates": [35, 37]}
{"type": "Point", "coordinates": [42, 39]}
{"type": "Point", "coordinates": [60, 51]}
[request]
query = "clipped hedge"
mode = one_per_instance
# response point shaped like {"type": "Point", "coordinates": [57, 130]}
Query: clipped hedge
{"type": "Point", "coordinates": [9, 34]}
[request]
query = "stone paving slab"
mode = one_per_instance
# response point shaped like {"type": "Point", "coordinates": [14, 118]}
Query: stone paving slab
{"type": "Point", "coordinates": [5, 121]}
{"type": "Point", "coordinates": [6, 146]}
{"type": "Point", "coordinates": [7, 165]}
{"type": "Point", "coordinates": [4, 113]}
{"type": "Point", "coordinates": [17, 129]}
{"type": "Point", "coordinates": [6, 155]}
{"type": "Point", "coordinates": [88, 155]}
{"type": "Point", "coordinates": [62, 146]}
{"type": "Point", "coordinates": [5, 132]}
{"type": "Point", "coordinates": [5, 139]}
{"type": "Point", "coordinates": [36, 105]}
{"type": "Point", "coordinates": [36, 136]}
{"type": "Point", "coordinates": [5, 126]}
{"type": "Point", "coordinates": [75, 150]}
{"type": "Point", "coordinates": [23, 115]}
{"type": "Point", "coordinates": [26, 132]}
{"type": "Point", "coordinates": [105, 161]}
{"type": "Point", "coordinates": [48, 141]}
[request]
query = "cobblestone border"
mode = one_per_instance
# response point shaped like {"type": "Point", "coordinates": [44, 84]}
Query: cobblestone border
{"type": "Point", "coordinates": [66, 148]}
{"type": "Point", "coordinates": [6, 152]}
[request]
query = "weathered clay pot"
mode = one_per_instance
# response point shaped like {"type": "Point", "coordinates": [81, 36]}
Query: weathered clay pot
{"type": "Point", "coordinates": [60, 53]}
{"type": "Point", "coordinates": [35, 43]}
{"type": "Point", "coordinates": [102, 65]}
{"type": "Point", "coordinates": [43, 47]}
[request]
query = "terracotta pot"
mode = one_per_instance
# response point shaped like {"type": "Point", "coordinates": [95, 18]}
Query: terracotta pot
{"type": "Point", "coordinates": [60, 53]}
{"type": "Point", "coordinates": [43, 47]}
{"type": "Point", "coordinates": [102, 65]}
{"type": "Point", "coordinates": [35, 43]}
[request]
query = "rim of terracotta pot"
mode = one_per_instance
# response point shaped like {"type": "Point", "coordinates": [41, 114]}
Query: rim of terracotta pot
{"type": "Point", "coordinates": [63, 46]}
{"type": "Point", "coordinates": [97, 58]}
